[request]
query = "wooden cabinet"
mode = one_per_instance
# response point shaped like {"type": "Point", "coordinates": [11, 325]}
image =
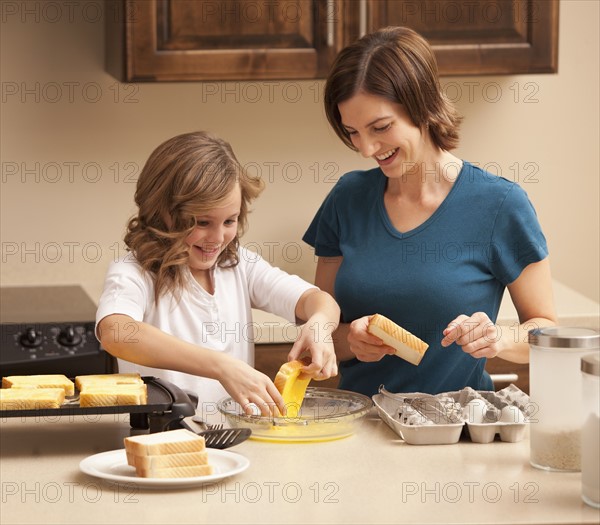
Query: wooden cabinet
{"type": "Point", "coordinates": [195, 40]}
{"type": "Point", "coordinates": [175, 40]}
{"type": "Point", "coordinates": [479, 37]}
{"type": "Point", "coordinates": [504, 373]}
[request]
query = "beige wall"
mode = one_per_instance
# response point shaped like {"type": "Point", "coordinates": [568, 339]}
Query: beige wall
{"type": "Point", "coordinates": [71, 136]}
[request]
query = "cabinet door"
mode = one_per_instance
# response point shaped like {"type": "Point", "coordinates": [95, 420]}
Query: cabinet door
{"type": "Point", "coordinates": [504, 373]}
{"type": "Point", "coordinates": [221, 40]}
{"type": "Point", "coordinates": [478, 36]}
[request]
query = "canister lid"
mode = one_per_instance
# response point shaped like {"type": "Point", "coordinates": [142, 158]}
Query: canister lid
{"type": "Point", "coordinates": [564, 337]}
{"type": "Point", "coordinates": [590, 364]}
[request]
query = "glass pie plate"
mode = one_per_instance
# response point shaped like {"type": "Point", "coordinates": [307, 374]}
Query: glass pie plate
{"type": "Point", "coordinates": [326, 414]}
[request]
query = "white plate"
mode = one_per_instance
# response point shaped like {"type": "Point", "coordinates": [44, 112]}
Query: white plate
{"type": "Point", "coordinates": [113, 466]}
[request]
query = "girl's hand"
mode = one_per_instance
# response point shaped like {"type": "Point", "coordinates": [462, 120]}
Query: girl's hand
{"type": "Point", "coordinates": [250, 387]}
{"type": "Point", "coordinates": [317, 339]}
{"type": "Point", "coordinates": [477, 335]}
{"type": "Point", "coordinates": [365, 346]}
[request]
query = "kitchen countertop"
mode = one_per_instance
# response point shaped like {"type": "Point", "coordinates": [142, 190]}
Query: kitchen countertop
{"type": "Point", "coordinates": [369, 477]}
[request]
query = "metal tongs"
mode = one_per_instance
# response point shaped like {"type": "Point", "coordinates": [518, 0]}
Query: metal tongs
{"type": "Point", "coordinates": [427, 405]}
{"type": "Point", "coordinates": [434, 410]}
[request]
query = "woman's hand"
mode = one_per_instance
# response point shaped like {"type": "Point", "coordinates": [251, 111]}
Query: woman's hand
{"type": "Point", "coordinates": [250, 387]}
{"type": "Point", "coordinates": [477, 335]}
{"type": "Point", "coordinates": [315, 337]}
{"type": "Point", "coordinates": [365, 346]}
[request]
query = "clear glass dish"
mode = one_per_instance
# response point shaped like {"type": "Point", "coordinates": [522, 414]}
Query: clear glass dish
{"type": "Point", "coordinates": [326, 414]}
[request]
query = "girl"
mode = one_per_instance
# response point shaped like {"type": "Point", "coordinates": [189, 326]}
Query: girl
{"type": "Point", "coordinates": [178, 306]}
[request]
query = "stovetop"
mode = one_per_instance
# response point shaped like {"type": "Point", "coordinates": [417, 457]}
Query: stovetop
{"type": "Point", "coordinates": [45, 304]}
{"type": "Point", "coordinates": [49, 330]}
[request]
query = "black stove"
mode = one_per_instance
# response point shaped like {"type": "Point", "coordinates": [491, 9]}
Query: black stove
{"type": "Point", "coordinates": [49, 330]}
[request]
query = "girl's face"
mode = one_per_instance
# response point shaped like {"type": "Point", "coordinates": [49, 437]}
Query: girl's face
{"type": "Point", "coordinates": [214, 231]}
{"type": "Point", "coordinates": [382, 130]}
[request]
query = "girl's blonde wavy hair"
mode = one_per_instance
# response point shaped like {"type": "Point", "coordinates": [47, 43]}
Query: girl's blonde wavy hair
{"type": "Point", "coordinates": [186, 176]}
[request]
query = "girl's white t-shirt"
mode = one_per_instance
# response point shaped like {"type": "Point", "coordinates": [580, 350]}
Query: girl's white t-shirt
{"type": "Point", "coordinates": [220, 322]}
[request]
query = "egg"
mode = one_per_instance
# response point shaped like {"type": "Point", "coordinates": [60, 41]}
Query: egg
{"type": "Point", "coordinates": [511, 414]}
{"type": "Point", "coordinates": [474, 411]}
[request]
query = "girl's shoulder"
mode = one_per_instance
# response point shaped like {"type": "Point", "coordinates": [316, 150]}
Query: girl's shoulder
{"type": "Point", "coordinates": [127, 265]}
{"type": "Point", "coordinates": [127, 261]}
{"type": "Point", "coordinates": [249, 253]}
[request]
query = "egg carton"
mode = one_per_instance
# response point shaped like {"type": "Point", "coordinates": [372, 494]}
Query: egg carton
{"type": "Point", "coordinates": [425, 419]}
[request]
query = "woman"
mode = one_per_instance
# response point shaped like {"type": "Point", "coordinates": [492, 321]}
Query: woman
{"type": "Point", "coordinates": [425, 238]}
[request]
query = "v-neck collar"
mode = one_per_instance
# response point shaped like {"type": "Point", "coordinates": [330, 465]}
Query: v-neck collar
{"type": "Point", "coordinates": [432, 218]}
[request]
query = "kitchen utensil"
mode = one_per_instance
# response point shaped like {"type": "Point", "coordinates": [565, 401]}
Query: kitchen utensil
{"type": "Point", "coordinates": [205, 425]}
{"type": "Point", "coordinates": [166, 403]}
{"type": "Point", "coordinates": [326, 414]}
{"type": "Point", "coordinates": [225, 437]}
{"type": "Point", "coordinates": [434, 410]}
{"type": "Point", "coordinates": [215, 435]}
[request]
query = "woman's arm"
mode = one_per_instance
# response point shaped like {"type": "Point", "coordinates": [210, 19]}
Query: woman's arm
{"type": "Point", "coordinates": [327, 269]}
{"type": "Point", "coordinates": [147, 345]}
{"type": "Point", "coordinates": [533, 298]}
{"type": "Point", "coordinates": [350, 340]}
{"type": "Point", "coordinates": [531, 293]}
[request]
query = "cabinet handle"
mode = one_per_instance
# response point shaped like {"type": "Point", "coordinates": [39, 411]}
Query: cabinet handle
{"type": "Point", "coordinates": [330, 13]}
{"type": "Point", "coordinates": [362, 18]}
{"type": "Point", "coordinates": [504, 378]}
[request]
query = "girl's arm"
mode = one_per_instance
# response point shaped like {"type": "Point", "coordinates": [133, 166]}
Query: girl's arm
{"type": "Point", "coordinates": [322, 316]}
{"type": "Point", "coordinates": [531, 293]}
{"type": "Point", "coordinates": [146, 345]}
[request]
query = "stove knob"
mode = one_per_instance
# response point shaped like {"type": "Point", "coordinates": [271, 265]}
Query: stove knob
{"type": "Point", "coordinates": [69, 337]}
{"type": "Point", "coordinates": [31, 338]}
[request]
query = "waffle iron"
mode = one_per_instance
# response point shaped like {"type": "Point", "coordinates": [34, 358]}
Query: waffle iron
{"type": "Point", "coordinates": [167, 404]}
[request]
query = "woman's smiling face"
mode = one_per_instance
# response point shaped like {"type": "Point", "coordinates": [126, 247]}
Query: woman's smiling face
{"type": "Point", "coordinates": [382, 130]}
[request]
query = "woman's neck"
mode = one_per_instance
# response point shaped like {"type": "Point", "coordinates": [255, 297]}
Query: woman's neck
{"type": "Point", "coordinates": [435, 174]}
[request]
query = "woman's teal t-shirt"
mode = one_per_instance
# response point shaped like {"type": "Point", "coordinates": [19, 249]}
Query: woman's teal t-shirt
{"type": "Point", "coordinates": [458, 261]}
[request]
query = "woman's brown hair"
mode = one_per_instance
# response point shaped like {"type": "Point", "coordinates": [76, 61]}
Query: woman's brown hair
{"type": "Point", "coordinates": [184, 177]}
{"type": "Point", "coordinates": [398, 64]}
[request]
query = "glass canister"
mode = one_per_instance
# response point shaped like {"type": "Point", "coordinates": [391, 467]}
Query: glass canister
{"type": "Point", "coordinates": [555, 393]}
{"type": "Point", "coordinates": [590, 432]}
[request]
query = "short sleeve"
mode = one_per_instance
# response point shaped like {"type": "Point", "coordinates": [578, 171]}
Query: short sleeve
{"type": "Point", "coordinates": [517, 237]}
{"type": "Point", "coordinates": [271, 289]}
{"type": "Point", "coordinates": [125, 291]}
{"type": "Point", "coordinates": [323, 234]}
